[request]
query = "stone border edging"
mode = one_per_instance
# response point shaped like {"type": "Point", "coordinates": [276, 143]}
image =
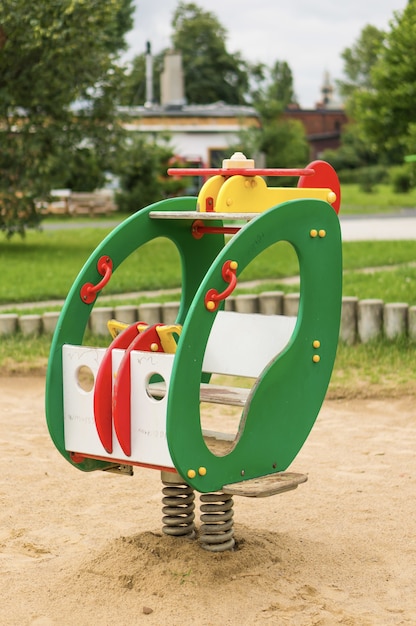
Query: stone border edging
{"type": "Point", "coordinates": [361, 320]}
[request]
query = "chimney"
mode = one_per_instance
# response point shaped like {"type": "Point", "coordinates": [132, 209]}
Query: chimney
{"type": "Point", "coordinates": [172, 89]}
{"type": "Point", "coordinates": [149, 76]}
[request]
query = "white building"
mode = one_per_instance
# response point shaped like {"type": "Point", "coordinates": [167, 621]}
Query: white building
{"type": "Point", "coordinates": [198, 133]}
{"type": "Point", "coordinates": [201, 133]}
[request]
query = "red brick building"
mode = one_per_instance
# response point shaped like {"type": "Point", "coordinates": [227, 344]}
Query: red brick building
{"type": "Point", "coordinates": [323, 125]}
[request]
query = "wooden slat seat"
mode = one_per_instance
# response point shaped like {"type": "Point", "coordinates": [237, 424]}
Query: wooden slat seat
{"type": "Point", "coordinates": [216, 394]}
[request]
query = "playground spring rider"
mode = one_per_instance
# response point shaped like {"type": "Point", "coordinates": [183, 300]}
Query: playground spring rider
{"type": "Point", "coordinates": [144, 407]}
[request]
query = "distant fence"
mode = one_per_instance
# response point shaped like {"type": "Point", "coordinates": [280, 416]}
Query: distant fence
{"type": "Point", "coordinates": [67, 202]}
{"type": "Point", "coordinates": [361, 320]}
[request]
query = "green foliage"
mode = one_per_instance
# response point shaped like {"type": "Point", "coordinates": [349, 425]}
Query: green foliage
{"type": "Point", "coordinates": [379, 88]}
{"type": "Point", "coordinates": [355, 151]}
{"type": "Point", "coordinates": [85, 172]}
{"type": "Point", "coordinates": [402, 179]}
{"type": "Point", "coordinates": [360, 59]}
{"type": "Point", "coordinates": [133, 91]}
{"type": "Point", "coordinates": [142, 170]}
{"type": "Point", "coordinates": [385, 112]}
{"type": "Point", "coordinates": [211, 72]}
{"type": "Point", "coordinates": [358, 254]}
{"type": "Point", "coordinates": [368, 178]}
{"type": "Point", "coordinates": [46, 264]}
{"type": "Point", "coordinates": [354, 373]}
{"type": "Point", "coordinates": [271, 85]}
{"type": "Point", "coordinates": [282, 142]}
{"type": "Point", "coordinates": [398, 285]}
{"type": "Point", "coordinates": [378, 368]}
{"type": "Point", "coordinates": [381, 200]}
{"type": "Point", "coordinates": [58, 80]}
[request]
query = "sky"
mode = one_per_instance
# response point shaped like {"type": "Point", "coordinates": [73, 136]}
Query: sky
{"type": "Point", "coordinates": [309, 35]}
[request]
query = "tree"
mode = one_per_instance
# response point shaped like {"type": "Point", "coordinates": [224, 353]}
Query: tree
{"type": "Point", "coordinates": [281, 141]}
{"type": "Point", "coordinates": [360, 59]}
{"type": "Point", "coordinates": [354, 152]}
{"type": "Point", "coordinates": [134, 84]}
{"type": "Point", "coordinates": [385, 111]}
{"type": "Point", "coordinates": [211, 72]}
{"type": "Point", "coordinates": [141, 181]}
{"type": "Point", "coordinates": [58, 80]}
{"type": "Point", "coordinates": [272, 84]}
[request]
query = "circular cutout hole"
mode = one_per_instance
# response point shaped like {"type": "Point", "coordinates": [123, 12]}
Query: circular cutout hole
{"type": "Point", "coordinates": [156, 386]}
{"type": "Point", "coordinates": [85, 378]}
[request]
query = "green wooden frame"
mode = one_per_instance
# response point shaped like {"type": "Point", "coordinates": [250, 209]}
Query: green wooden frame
{"type": "Point", "coordinates": [196, 257]}
{"type": "Point", "coordinates": [289, 393]}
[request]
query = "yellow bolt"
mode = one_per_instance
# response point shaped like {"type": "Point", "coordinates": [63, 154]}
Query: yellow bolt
{"type": "Point", "coordinates": [316, 358]}
{"type": "Point", "coordinates": [229, 201]}
{"type": "Point", "coordinates": [233, 265]}
{"type": "Point", "coordinates": [247, 183]}
{"type": "Point", "coordinates": [210, 305]}
{"type": "Point", "coordinates": [332, 197]}
{"type": "Point", "coordinates": [191, 473]}
{"type": "Point", "coordinates": [316, 343]}
{"type": "Point", "coordinates": [154, 347]}
{"type": "Point", "coordinates": [313, 233]}
{"type": "Point", "coordinates": [322, 233]}
{"type": "Point", "coordinates": [202, 471]}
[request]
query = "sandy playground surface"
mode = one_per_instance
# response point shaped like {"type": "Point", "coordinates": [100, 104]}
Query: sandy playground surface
{"type": "Point", "coordinates": [84, 549]}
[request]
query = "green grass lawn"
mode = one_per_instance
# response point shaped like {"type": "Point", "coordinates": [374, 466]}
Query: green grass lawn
{"type": "Point", "coordinates": [381, 369]}
{"type": "Point", "coordinates": [44, 265]}
{"type": "Point", "coordinates": [383, 199]}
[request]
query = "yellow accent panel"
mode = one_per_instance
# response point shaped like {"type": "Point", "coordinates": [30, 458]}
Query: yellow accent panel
{"type": "Point", "coordinates": [210, 189]}
{"type": "Point", "coordinates": [243, 194]}
{"type": "Point", "coordinates": [115, 327]}
{"type": "Point", "coordinates": [142, 327]}
{"type": "Point", "coordinates": [166, 336]}
{"type": "Point", "coordinates": [250, 194]}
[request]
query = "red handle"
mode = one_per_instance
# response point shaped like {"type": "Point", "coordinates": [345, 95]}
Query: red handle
{"type": "Point", "coordinates": [233, 171]}
{"type": "Point", "coordinates": [89, 291]}
{"type": "Point", "coordinates": [199, 229]}
{"type": "Point", "coordinates": [213, 297]}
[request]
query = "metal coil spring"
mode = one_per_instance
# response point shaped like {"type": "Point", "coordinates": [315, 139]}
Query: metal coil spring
{"type": "Point", "coordinates": [216, 533]}
{"type": "Point", "coordinates": [178, 510]}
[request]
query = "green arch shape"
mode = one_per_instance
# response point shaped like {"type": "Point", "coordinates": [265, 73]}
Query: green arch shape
{"type": "Point", "coordinates": [196, 258]}
{"type": "Point", "coordinates": [289, 393]}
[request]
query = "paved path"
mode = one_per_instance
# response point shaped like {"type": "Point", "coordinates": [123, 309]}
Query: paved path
{"type": "Point", "coordinates": [354, 227]}
{"type": "Point", "coordinates": [378, 228]}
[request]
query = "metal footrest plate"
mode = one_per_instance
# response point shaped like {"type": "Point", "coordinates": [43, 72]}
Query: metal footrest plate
{"type": "Point", "coordinates": [264, 486]}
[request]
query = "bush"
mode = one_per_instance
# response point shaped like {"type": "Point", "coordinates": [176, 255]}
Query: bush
{"type": "Point", "coordinates": [143, 179]}
{"type": "Point", "coordinates": [402, 179]}
{"type": "Point", "coordinates": [366, 177]}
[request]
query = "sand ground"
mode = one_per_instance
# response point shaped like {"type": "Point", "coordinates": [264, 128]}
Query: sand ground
{"type": "Point", "coordinates": [82, 549]}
